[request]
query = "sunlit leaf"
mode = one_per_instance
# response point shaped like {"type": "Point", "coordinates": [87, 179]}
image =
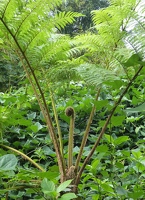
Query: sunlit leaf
{"type": "Point", "coordinates": [117, 120]}
{"type": "Point", "coordinates": [68, 196]}
{"type": "Point", "coordinates": [121, 139]}
{"type": "Point", "coordinates": [63, 185]}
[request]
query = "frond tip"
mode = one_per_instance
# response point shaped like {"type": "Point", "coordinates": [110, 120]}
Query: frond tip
{"type": "Point", "coordinates": [63, 18]}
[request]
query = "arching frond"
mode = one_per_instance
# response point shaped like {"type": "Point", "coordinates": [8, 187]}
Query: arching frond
{"type": "Point", "coordinates": [31, 25]}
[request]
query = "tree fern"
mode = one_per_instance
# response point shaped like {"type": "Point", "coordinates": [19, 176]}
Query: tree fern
{"type": "Point", "coordinates": [30, 30]}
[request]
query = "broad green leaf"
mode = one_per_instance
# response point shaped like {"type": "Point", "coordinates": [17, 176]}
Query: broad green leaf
{"type": "Point", "coordinates": [49, 174]}
{"type": "Point", "coordinates": [120, 140]}
{"type": "Point", "coordinates": [94, 166]}
{"type": "Point", "coordinates": [134, 60]}
{"type": "Point", "coordinates": [1, 41]}
{"type": "Point", "coordinates": [116, 84]}
{"type": "Point", "coordinates": [137, 194]}
{"type": "Point", "coordinates": [121, 191]}
{"type": "Point", "coordinates": [24, 122]}
{"type": "Point", "coordinates": [67, 196]}
{"type": "Point", "coordinates": [107, 187]}
{"type": "Point", "coordinates": [143, 162]}
{"type": "Point", "coordinates": [117, 120]}
{"type": "Point", "coordinates": [36, 127]}
{"type": "Point", "coordinates": [136, 153]}
{"type": "Point", "coordinates": [63, 186]}
{"type": "Point", "coordinates": [95, 163]}
{"type": "Point", "coordinates": [8, 162]}
{"type": "Point", "coordinates": [47, 186]}
{"type": "Point", "coordinates": [126, 153]}
{"type": "Point", "coordinates": [101, 104]}
{"type": "Point", "coordinates": [140, 108]}
{"type": "Point", "coordinates": [119, 165]}
{"type": "Point", "coordinates": [102, 148]}
{"type": "Point", "coordinates": [109, 138]}
{"type": "Point", "coordinates": [48, 151]}
{"type": "Point", "coordinates": [96, 197]}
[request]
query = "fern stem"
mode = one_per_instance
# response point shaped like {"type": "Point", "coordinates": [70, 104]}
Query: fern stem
{"type": "Point", "coordinates": [71, 141]}
{"type": "Point", "coordinates": [104, 128]}
{"type": "Point", "coordinates": [58, 126]}
{"type": "Point", "coordinates": [24, 156]}
{"type": "Point", "coordinates": [56, 120]}
{"type": "Point", "coordinates": [5, 9]}
{"type": "Point", "coordinates": [85, 137]}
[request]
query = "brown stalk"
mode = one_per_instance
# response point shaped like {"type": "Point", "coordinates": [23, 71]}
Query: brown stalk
{"type": "Point", "coordinates": [71, 138]}
{"type": "Point", "coordinates": [85, 137]}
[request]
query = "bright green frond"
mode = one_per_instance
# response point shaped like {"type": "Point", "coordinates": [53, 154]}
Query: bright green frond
{"type": "Point", "coordinates": [31, 27]}
{"type": "Point", "coordinates": [47, 53]}
{"type": "Point", "coordinates": [64, 18]}
{"type": "Point", "coordinates": [120, 34]}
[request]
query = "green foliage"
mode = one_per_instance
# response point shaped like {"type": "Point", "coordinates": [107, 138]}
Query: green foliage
{"type": "Point", "coordinates": [114, 173]}
{"type": "Point", "coordinates": [98, 75]}
{"type": "Point", "coordinates": [48, 188]}
{"type": "Point", "coordinates": [112, 156]}
{"type": "Point", "coordinates": [10, 75]}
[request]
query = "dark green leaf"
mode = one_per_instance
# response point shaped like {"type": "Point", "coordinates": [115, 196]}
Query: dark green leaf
{"type": "Point", "coordinates": [134, 60]}
{"type": "Point", "coordinates": [117, 120]}
{"type": "Point", "coordinates": [8, 162]}
{"type": "Point", "coordinates": [121, 191]}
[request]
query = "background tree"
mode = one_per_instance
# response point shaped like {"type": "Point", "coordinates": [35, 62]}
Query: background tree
{"type": "Point", "coordinates": [10, 73]}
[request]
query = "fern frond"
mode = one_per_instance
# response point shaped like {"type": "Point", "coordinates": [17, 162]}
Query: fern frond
{"type": "Point", "coordinates": [63, 18]}
{"type": "Point", "coordinates": [32, 23]}
{"type": "Point", "coordinates": [65, 71]}
{"type": "Point", "coordinates": [107, 48]}
{"type": "Point", "coordinates": [94, 75]}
